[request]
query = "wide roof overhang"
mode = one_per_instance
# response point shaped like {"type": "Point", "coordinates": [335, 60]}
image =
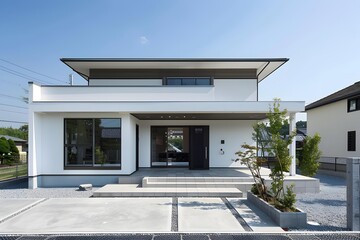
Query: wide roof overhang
{"type": "Point", "coordinates": [263, 66]}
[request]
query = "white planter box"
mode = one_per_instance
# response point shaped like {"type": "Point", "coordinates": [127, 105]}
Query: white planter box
{"type": "Point", "coordinates": [283, 219]}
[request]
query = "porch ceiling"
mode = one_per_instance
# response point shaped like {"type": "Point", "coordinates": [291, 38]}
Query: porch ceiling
{"type": "Point", "coordinates": [200, 116]}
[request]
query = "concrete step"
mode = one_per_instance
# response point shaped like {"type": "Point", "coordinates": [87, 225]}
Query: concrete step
{"type": "Point", "coordinates": [134, 190]}
{"type": "Point", "coordinates": [198, 179]}
{"type": "Point", "coordinates": [196, 184]}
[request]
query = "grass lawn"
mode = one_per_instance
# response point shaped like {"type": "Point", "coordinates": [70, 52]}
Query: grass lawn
{"type": "Point", "coordinates": [10, 172]}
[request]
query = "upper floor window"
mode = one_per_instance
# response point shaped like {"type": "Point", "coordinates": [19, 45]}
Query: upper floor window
{"type": "Point", "coordinates": [205, 81]}
{"type": "Point", "coordinates": [354, 104]}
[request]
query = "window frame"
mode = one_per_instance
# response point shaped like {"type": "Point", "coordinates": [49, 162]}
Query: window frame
{"type": "Point", "coordinates": [357, 104]}
{"type": "Point", "coordinates": [166, 82]}
{"type": "Point", "coordinates": [93, 165]}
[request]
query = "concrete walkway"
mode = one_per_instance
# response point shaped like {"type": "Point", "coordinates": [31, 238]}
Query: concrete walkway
{"type": "Point", "coordinates": [125, 215]}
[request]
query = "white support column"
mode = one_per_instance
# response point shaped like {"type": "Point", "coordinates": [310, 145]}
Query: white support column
{"type": "Point", "coordinates": [32, 164]}
{"type": "Point", "coordinates": [292, 149]}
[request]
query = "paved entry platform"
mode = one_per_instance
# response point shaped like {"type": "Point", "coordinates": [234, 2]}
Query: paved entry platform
{"type": "Point", "coordinates": [129, 215]}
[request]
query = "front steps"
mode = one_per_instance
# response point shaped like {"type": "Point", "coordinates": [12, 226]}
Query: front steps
{"type": "Point", "coordinates": [134, 190]}
{"type": "Point", "coordinates": [242, 183]}
{"type": "Point", "coordinates": [179, 187]}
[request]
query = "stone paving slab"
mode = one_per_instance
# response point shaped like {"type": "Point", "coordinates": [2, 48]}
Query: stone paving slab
{"type": "Point", "coordinates": [93, 215]}
{"type": "Point", "coordinates": [11, 206]}
{"type": "Point", "coordinates": [254, 217]}
{"type": "Point", "coordinates": [206, 215]}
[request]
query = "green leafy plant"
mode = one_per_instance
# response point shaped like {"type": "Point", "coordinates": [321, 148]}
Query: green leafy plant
{"type": "Point", "coordinates": [289, 199]}
{"type": "Point", "coordinates": [310, 155]}
{"type": "Point", "coordinates": [99, 156]}
{"type": "Point", "coordinates": [279, 149]}
{"type": "Point", "coordinates": [249, 158]}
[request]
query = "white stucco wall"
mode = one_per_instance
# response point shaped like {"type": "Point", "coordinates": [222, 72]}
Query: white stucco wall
{"type": "Point", "coordinates": [223, 90]}
{"type": "Point", "coordinates": [234, 132]}
{"type": "Point", "coordinates": [49, 140]}
{"type": "Point", "coordinates": [49, 144]}
{"type": "Point", "coordinates": [125, 82]}
{"type": "Point", "coordinates": [333, 122]}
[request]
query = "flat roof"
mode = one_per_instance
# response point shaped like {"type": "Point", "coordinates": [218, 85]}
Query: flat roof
{"type": "Point", "coordinates": [345, 93]}
{"type": "Point", "coordinates": [264, 66]}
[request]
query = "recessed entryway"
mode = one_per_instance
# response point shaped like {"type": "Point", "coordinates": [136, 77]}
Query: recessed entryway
{"type": "Point", "coordinates": [180, 146]}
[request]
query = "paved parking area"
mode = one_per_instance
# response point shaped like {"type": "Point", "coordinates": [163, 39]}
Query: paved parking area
{"type": "Point", "coordinates": [126, 215]}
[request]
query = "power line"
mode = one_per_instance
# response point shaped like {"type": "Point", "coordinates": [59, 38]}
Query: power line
{"type": "Point", "coordinates": [4, 95]}
{"type": "Point", "coordinates": [9, 105]}
{"type": "Point", "coordinates": [1, 120]}
{"type": "Point", "coordinates": [32, 71]}
{"type": "Point", "coordinates": [2, 110]}
{"type": "Point", "coordinates": [19, 74]}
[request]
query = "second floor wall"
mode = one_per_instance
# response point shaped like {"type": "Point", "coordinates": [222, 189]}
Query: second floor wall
{"type": "Point", "coordinates": [150, 90]}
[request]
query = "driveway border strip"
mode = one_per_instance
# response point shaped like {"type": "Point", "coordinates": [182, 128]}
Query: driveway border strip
{"type": "Point", "coordinates": [238, 217]}
{"type": "Point", "coordinates": [175, 215]}
{"type": "Point", "coordinates": [23, 210]}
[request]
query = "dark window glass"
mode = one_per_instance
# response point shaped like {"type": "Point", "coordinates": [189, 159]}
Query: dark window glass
{"type": "Point", "coordinates": [92, 142]}
{"type": "Point", "coordinates": [203, 81]}
{"type": "Point", "coordinates": [78, 141]}
{"type": "Point", "coordinates": [174, 81]}
{"type": "Point", "coordinates": [352, 141]}
{"type": "Point", "coordinates": [188, 81]}
{"type": "Point", "coordinates": [107, 141]}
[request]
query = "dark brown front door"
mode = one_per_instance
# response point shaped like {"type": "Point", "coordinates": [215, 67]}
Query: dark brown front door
{"type": "Point", "coordinates": [199, 147]}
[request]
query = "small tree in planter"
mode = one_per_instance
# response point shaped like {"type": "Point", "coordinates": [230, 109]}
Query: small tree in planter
{"type": "Point", "coordinates": [277, 146]}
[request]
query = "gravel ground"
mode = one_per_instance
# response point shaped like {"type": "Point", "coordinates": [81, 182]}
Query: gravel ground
{"type": "Point", "coordinates": [328, 208]}
{"type": "Point", "coordinates": [21, 191]}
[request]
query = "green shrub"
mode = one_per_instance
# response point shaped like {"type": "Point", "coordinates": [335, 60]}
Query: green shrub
{"type": "Point", "coordinates": [310, 155]}
{"type": "Point", "coordinates": [289, 198]}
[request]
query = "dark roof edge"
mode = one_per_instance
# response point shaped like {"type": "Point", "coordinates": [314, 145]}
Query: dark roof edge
{"type": "Point", "coordinates": [81, 74]}
{"type": "Point", "coordinates": [319, 102]}
{"type": "Point", "coordinates": [174, 60]}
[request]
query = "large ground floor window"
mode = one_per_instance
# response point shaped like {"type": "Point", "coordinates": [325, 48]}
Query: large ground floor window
{"type": "Point", "coordinates": [92, 143]}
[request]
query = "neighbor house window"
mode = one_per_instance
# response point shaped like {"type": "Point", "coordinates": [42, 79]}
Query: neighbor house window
{"type": "Point", "coordinates": [354, 104]}
{"type": "Point", "coordinates": [188, 81]}
{"type": "Point", "coordinates": [352, 141]}
{"type": "Point", "coordinates": [92, 142]}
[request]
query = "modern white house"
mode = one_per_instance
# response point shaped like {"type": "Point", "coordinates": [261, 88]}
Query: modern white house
{"type": "Point", "coordinates": [336, 118]}
{"type": "Point", "coordinates": [146, 113]}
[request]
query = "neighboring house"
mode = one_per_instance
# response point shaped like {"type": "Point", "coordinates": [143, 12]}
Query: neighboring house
{"type": "Point", "coordinates": [192, 113]}
{"type": "Point", "coordinates": [21, 145]}
{"type": "Point", "coordinates": [336, 118]}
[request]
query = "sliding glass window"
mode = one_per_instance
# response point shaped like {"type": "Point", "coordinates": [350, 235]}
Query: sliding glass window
{"type": "Point", "coordinates": [92, 143]}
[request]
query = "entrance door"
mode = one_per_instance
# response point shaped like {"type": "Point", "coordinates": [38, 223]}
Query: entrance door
{"type": "Point", "coordinates": [199, 147]}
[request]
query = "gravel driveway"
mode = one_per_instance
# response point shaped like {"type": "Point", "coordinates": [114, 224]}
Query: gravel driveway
{"type": "Point", "coordinates": [328, 208]}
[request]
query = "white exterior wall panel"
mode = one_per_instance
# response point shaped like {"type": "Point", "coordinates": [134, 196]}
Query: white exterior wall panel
{"type": "Point", "coordinates": [332, 122]}
{"type": "Point", "coordinates": [223, 90]}
{"type": "Point", "coordinates": [235, 89]}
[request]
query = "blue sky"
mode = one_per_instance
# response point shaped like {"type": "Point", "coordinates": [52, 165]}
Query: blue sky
{"type": "Point", "coordinates": [321, 38]}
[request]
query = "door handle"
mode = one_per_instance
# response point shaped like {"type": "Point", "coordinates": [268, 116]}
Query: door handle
{"type": "Point", "coordinates": [206, 152]}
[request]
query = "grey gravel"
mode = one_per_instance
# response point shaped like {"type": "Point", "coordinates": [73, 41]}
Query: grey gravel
{"type": "Point", "coordinates": [45, 193]}
{"type": "Point", "coordinates": [328, 208]}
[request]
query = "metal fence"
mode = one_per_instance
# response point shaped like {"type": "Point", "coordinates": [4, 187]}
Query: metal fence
{"type": "Point", "coordinates": [13, 172]}
{"type": "Point", "coordinates": [336, 164]}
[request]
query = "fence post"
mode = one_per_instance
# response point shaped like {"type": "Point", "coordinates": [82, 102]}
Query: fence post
{"type": "Point", "coordinates": [335, 164]}
{"type": "Point", "coordinates": [17, 165]}
{"type": "Point", "coordinates": [353, 194]}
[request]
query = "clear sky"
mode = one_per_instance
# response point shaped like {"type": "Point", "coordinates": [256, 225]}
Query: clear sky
{"type": "Point", "coordinates": [321, 38]}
